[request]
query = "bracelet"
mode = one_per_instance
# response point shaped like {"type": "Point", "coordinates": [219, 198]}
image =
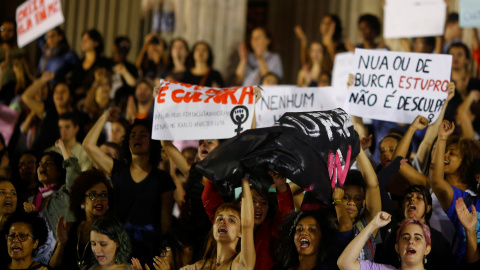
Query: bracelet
{"type": "Point", "coordinates": [442, 139]}
{"type": "Point", "coordinates": [336, 201]}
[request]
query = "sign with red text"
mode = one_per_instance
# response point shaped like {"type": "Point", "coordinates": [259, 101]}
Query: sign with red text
{"type": "Point", "coordinates": [35, 18]}
{"type": "Point", "coordinates": [280, 99]}
{"type": "Point", "coordinates": [191, 112]}
{"type": "Point", "coordinates": [397, 86]}
{"type": "Point", "coordinates": [414, 18]}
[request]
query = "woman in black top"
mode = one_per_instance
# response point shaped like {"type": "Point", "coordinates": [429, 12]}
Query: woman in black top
{"type": "Point", "coordinates": [144, 193]}
{"type": "Point", "coordinates": [83, 73]}
{"type": "Point", "coordinates": [199, 67]}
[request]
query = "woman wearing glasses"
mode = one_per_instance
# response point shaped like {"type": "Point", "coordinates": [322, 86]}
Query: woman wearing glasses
{"type": "Point", "coordinates": [90, 198]}
{"type": "Point", "coordinates": [26, 234]}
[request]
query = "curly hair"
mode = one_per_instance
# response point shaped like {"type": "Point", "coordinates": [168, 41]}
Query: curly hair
{"type": "Point", "coordinates": [84, 181]}
{"type": "Point", "coordinates": [113, 228]}
{"type": "Point", "coordinates": [419, 222]}
{"type": "Point", "coordinates": [35, 222]}
{"type": "Point", "coordinates": [469, 151]}
{"type": "Point", "coordinates": [286, 252]}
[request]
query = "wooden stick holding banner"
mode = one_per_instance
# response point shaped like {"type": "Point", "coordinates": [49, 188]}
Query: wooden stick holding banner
{"type": "Point", "coordinates": [191, 112]}
{"type": "Point", "coordinates": [395, 86]}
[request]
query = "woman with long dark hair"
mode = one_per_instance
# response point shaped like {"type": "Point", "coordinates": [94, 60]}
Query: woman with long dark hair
{"type": "Point", "coordinates": [144, 193]}
{"type": "Point", "coordinates": [200, 67]}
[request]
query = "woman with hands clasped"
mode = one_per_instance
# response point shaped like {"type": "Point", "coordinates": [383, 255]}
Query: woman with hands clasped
{"type": "Point", "coordinates": [413, 245]}
{"type": "Point", "coordinates": [232, 226]}
{"type": "Point", "coordinates": [449, 176]}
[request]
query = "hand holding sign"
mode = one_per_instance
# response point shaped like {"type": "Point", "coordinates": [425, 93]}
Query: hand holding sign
{"type": "Point", "coordinates": [394, 86]}
{"type": "Point", "coordinates": [191, 112]}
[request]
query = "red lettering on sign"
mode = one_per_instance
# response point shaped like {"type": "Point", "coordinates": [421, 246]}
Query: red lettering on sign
{"type": "Point", "coordinates": [246, 92]}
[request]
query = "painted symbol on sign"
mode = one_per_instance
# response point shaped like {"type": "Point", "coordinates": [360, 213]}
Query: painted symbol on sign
{"type": "Point", "coordinates": [239, 115]}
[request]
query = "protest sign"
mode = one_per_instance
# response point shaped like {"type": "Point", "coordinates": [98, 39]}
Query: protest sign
{"type": "Point", "coordinates": [396, 86]}
{"type": "Point", "coordinates": [342, 67]}
{"type": "Point", "coordinates": [35, 18]}
{"type": "Point", "coordinates": [469, 13]}
{"type": "Point", "coordinates": [191, 112]}
{"type": "Point", "coordinates": [404, 19]}
{"type": "Point", "coordinates": [277, 100]}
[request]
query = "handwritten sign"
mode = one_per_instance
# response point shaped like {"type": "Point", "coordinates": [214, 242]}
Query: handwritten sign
{"type": "Point", "coordinates": [35, 18]}
{"type": "Point", "coordinates": [395, 86]}
{"type": "Point", "coordinates": [404, 19]}
{"type": "Point", "coordinates": [277, 100]}
{"type": "Point", "coordinates": [469, 13]}
{"type": "Point", "coordinates": [191, 112]}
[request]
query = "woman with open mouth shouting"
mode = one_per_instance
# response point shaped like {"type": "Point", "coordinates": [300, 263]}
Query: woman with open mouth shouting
{"type": "Point", "coordinates": [417, 202]}
{"type": "Point", "coordinates": [27, 232]}
{"type": "Point", "coordinates": [450, 177]}
{"type": "Point", "coordinates": [412, 246]}
{"type": "Point", "coordinates": [56, 176]}
{"type": "Point", "coordinates": [89, 200]}
{"type": "Point", "coordinates": [231, 245]}
{"type": "Point", "coordinates": [309, 241]}
{"type": "Point", "coordinates": [267, 215]}
{"type": "Point", "coordinates": [110, 245]}
{"type": "Point", "coordinates": [188, 194]}
{"type": "Point", "coordinates": [8, 206]}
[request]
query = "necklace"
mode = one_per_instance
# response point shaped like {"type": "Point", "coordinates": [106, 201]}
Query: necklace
{"type": "Point", "coordinates": [81, 261]}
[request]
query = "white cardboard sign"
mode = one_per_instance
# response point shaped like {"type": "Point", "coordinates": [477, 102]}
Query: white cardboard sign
{"type": "Point", "coordinates": [342, 67]}
{"type": "Point", "coordinates": [397, 86]}
{"type": "Point", "coordinates": [405, 19]}
{"type": "Point", "coordinates": [277, 100]}
{"type": "Point", "coordinates": [191, 112]}
{"type": "Point", "coordinates": [35, 18]}
{"type": "Point", "coordinates": [469, 13]}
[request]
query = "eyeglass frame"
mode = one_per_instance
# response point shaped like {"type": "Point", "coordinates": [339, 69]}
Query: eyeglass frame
{"type": "Point", "coordinates": [10, 238]}
{"type": "Point", "coordinates": [102, 196]}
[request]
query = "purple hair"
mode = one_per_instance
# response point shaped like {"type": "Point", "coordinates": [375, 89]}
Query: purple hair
{"type": "Point", "coordinates": [419, 222]}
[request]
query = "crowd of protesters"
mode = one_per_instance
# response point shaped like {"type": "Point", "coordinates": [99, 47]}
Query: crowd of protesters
{"type": "Point", "coordinates": [83, 185]}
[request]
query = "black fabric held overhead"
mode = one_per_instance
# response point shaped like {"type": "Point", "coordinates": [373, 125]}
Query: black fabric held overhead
{"type": "Point", "coordinates": [299, 149]}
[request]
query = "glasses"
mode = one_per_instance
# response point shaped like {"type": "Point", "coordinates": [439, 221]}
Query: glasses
{"type": "Point", "coordinates": [94, 196]}
{"type": "Point", "coordinates": [164, 252]}
{"type": "Point", "coordinates": [22, 237]}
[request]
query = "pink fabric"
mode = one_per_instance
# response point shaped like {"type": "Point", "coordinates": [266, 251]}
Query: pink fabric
{"type": "Point", "coordinates": [38, 198]}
